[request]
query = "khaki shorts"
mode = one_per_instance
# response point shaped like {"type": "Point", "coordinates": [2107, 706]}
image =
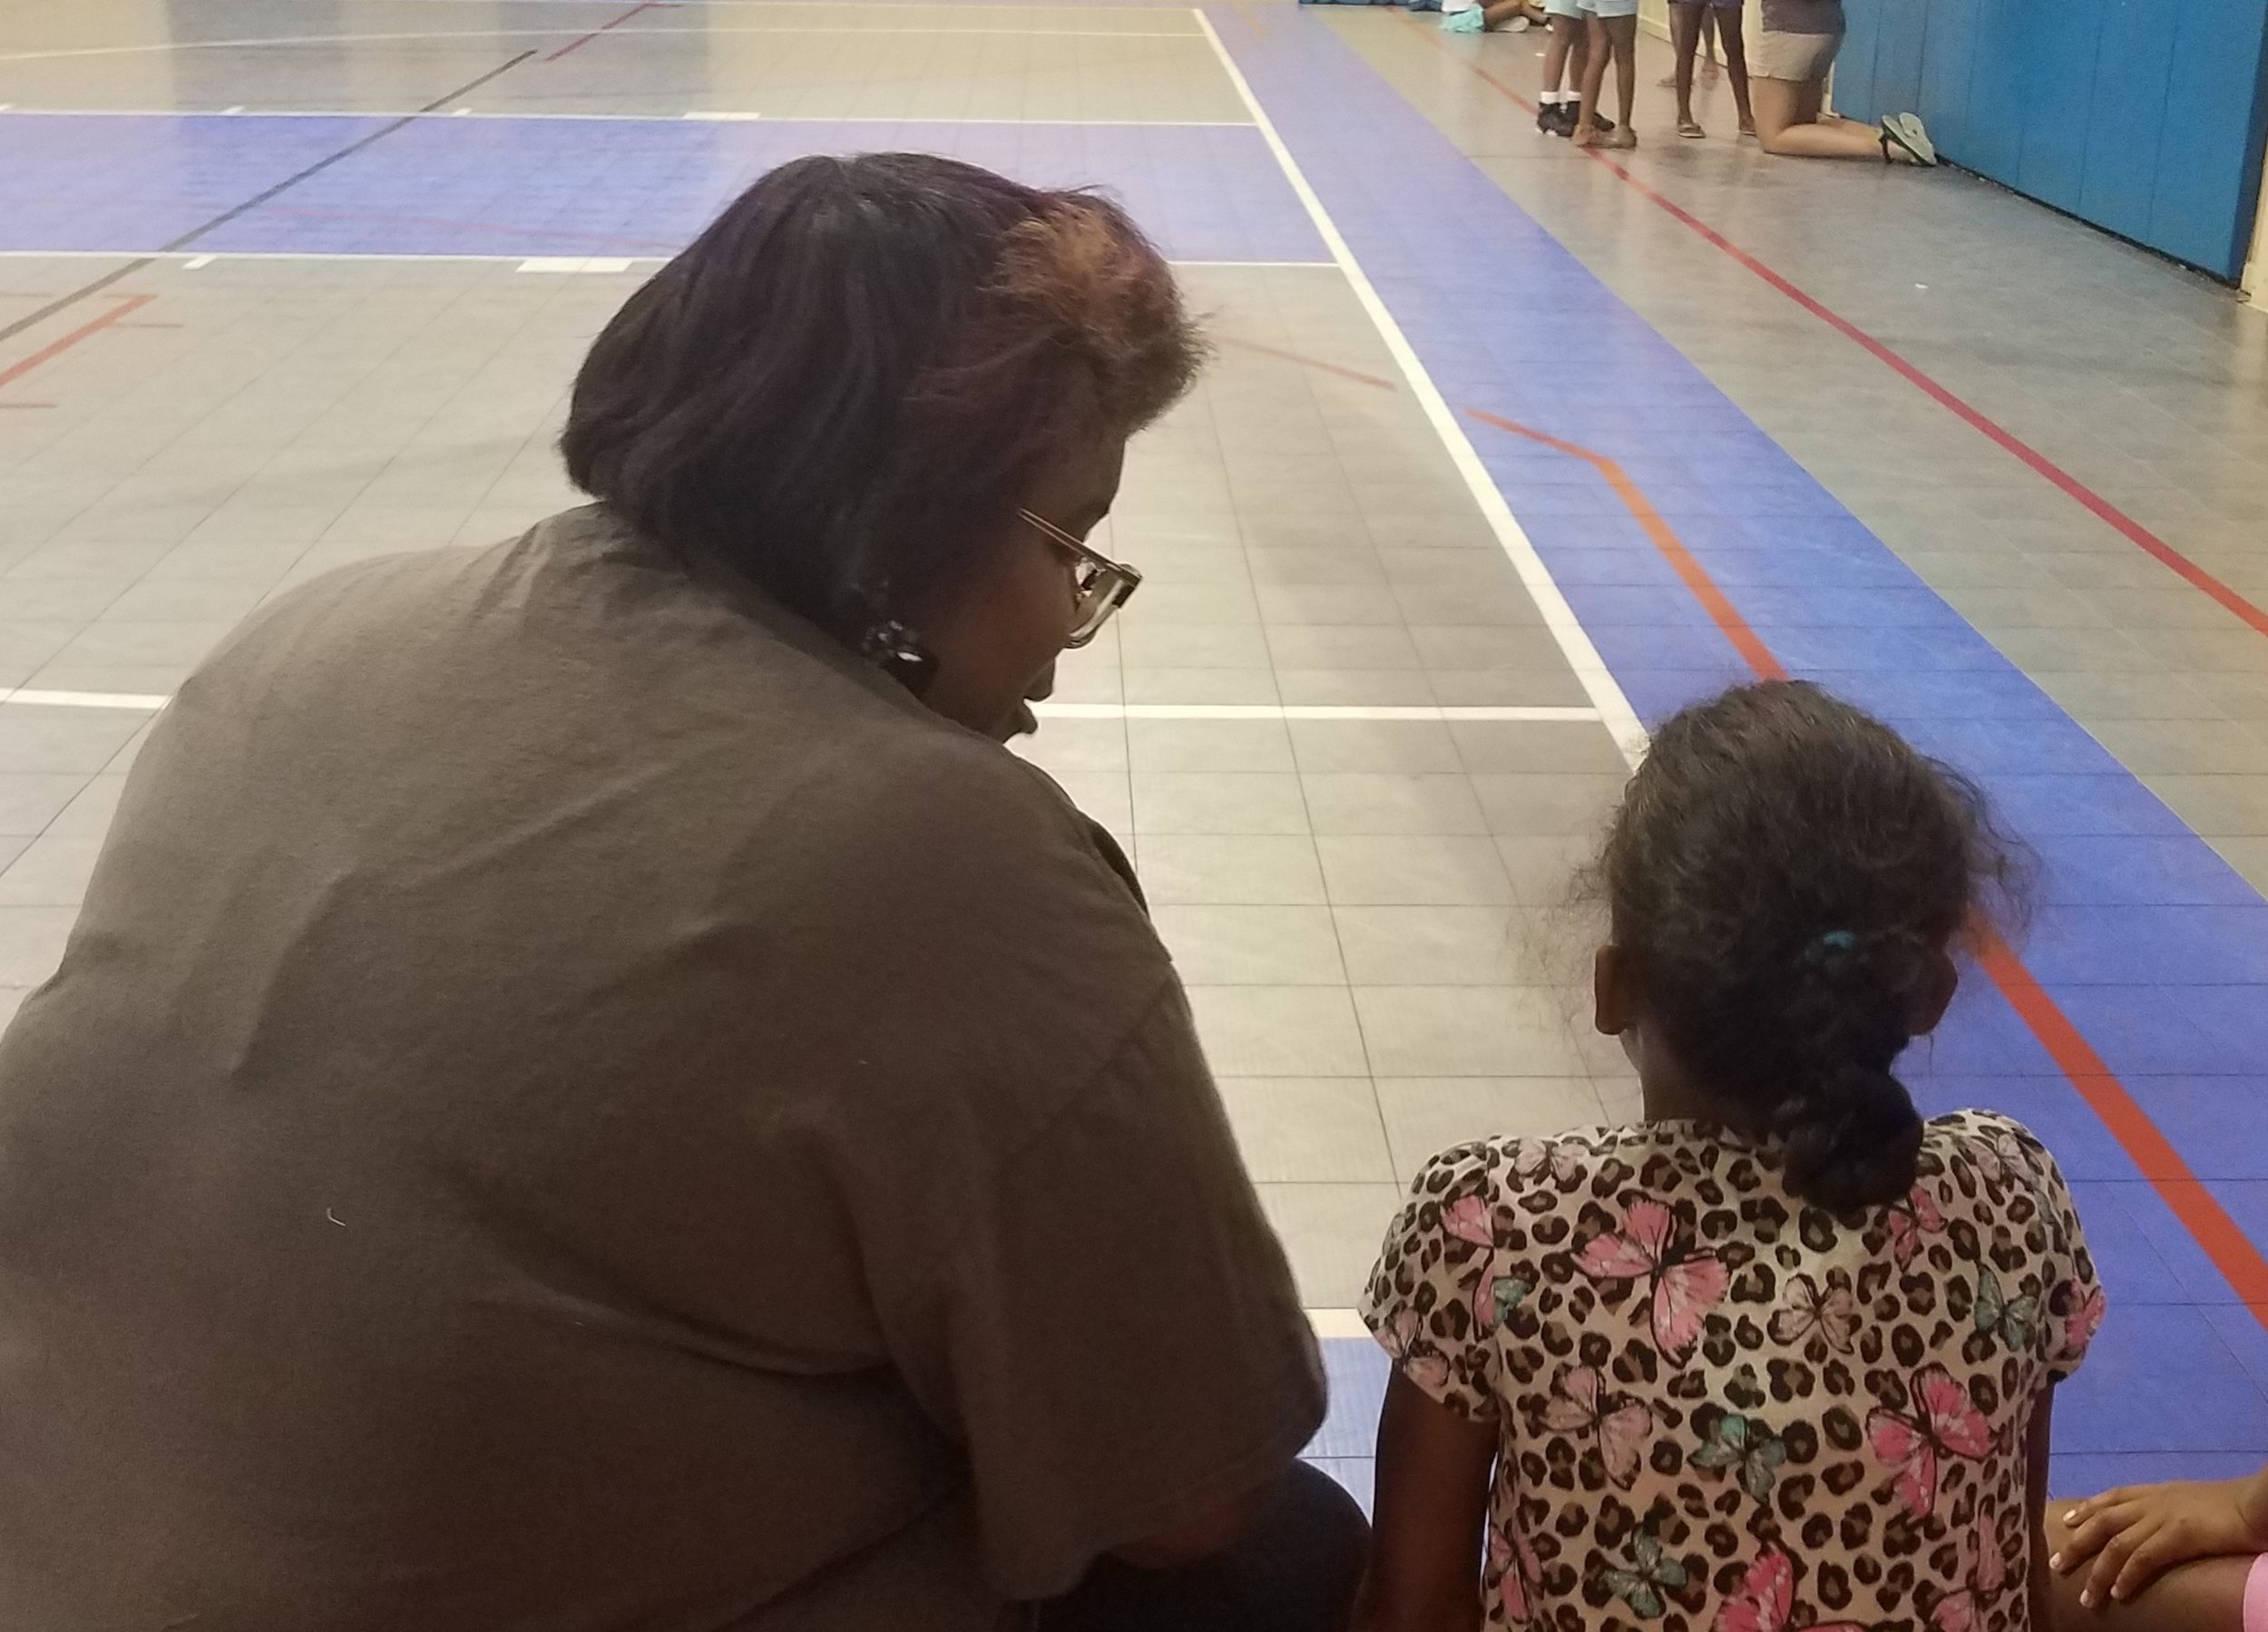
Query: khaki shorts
{"type": "Point", "coordinates": [1798, 57]}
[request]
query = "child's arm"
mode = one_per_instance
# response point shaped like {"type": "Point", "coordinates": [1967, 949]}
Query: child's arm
{"type": "Point", "coordinates": [2135, 1532]}
{"type": "Point", "coordinates": [1432, 1505]}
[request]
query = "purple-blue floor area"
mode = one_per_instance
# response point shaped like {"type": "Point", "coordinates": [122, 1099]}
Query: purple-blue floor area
{"type": "Point", "coordinates": [134, 183]}
{"type": "Point", "coordinates": [2150, 943]}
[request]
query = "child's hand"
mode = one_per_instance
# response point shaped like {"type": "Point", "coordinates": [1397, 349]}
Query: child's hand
{"type": "Point", "coordinates": [2135, 1533]}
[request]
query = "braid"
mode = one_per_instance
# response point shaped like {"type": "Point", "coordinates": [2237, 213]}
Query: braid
{"type": "Point", "coordinates": [1785, 876]}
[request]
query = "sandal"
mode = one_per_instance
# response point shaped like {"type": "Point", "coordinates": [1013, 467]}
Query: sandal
{"type": "Point", "coordinates": [1625, 138]}
{"type": "Point", "coordinates": [1904, 131]}
{"type": "Point", "coordinates": [1690, 129]}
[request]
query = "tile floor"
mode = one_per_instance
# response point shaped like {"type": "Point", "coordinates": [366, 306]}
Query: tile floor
{"type": "Point", "coordinates": [1361, 727]}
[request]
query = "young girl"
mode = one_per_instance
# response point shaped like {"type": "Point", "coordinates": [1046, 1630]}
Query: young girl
{"type": "Point", "coordinates": [1780, 1357]}
{"type": "Point", "coordinates": [1693, 23]}
{"type": "Point", "coordinates": [1612, 40]}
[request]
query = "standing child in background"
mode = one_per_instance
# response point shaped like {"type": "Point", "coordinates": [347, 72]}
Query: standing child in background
{"type": "Point", "coordinates": [1483, 17]}
{"type": "Point", "coordinates": [1689, 21]}
{"type": "Point", "coordinates": [1564, 60]}
{"type": "Point", "coordinates": [1781, 1357]}
{"type": "Point", "coordinates": [1613, 29]}
{"type": "Point", "coordinates": [1710, 71]}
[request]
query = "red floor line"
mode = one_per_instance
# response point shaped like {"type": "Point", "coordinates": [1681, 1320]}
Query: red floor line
{"type": "Point", "coordinates": [2240, 1262]}
{"type": "Point", "coordinates": [2133, 530]}
{"type": "Point", "coordinates": [126, 306]}
{"type": "Point", "coordinates": [1722, 612]}
{"type": "Point", "coordinates": [574, 46]}
{"type": "Point", "coordinates": [1356, 375]}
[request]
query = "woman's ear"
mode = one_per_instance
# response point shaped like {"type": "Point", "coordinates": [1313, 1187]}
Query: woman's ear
{"type": "Point", "coordinates": [1612, 1010]}
{"type": "Point", "coordinates": [1940, 982]}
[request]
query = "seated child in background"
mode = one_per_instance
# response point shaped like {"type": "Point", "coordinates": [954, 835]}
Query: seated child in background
{"type": "Point", "coordinates": [1779, 1358]}
{"type": "Point", "coordinates": [1484, 16]}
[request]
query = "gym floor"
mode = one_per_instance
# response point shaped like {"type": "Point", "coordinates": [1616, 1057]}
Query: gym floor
{"type": "Point", "coordinates": [1507, 450]}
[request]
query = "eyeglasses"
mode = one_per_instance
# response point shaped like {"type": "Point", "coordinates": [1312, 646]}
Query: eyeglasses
{"type": "Point", "coordinates": [1103, 585]}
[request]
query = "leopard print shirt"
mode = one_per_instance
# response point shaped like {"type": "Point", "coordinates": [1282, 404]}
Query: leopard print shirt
{"type": "Point", "coordinates": [1724, 1411]}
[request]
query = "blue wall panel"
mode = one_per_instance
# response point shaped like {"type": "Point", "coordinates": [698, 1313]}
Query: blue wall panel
{"type": "Point", "coordinates": [1998, 82]}
{"type": "Point", "coordinates": [2134, 64]}
{"type": "Point", "coordinates": [1854, 68]}
{"type": "Point", "coordinates": [2059, 93]}
{"type": "Point", "coordinates": [2143, 116]}
{"type": "Point", "coordinates": [2193, 211]}
{"type": "Point", "coordinates": [1897, 54]}
{"type": "Point", "coordinates": [1949, 37]}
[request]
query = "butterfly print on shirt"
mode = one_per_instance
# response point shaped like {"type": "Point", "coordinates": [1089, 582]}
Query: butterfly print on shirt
{"type": "Point", "coordinates": [1910, 1220]}
{"type": "Point", "coordinates": [1807, 1312]}
{"type": "Point", "coordinates": [1944, 1423]}
{"type": "Point", "coordinates": [1766, 1600]}
{"type": "Point", "coordinates": [1685, 1283]}
{"type": "Point", "coordinates": [1580, 1404]}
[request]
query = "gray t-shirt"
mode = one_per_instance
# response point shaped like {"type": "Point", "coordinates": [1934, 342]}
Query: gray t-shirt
{"type": "Point", "coordinates": [573, 1103]}
{"type": "Point", "coordinates": [1803, 17]}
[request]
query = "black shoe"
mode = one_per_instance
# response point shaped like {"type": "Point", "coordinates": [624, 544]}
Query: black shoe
{"type": "Point", "coordinates": [1600, 122]}
{"type": "Point", "coordinates": [1548, 119]}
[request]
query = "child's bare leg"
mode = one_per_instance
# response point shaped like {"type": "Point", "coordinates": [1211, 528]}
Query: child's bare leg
{"type": "Point", "coordinates": [1736, 70]}
{"type": "Point", "coordinates": [1565, 31]}
{"type": "Point", "coordinates": [1623, 34]}
{"type": "Point", "coordinates": [1686, 23]}
{"type": "Point", "coordinates": [1597, 50]}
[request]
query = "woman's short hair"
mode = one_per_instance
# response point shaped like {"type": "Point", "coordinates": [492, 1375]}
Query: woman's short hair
{"type": "Point", "coordinates": [846, 387]}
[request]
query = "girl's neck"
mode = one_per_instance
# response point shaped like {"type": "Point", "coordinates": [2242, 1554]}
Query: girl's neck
{"type": "Point", "coordinates": [1668, 1099]}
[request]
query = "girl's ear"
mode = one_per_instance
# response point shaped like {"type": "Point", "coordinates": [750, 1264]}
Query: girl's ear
{"type": "Point", "coordinates": [1941, 982]}
{"type": "Point", "coordinates": [1612, 1009]}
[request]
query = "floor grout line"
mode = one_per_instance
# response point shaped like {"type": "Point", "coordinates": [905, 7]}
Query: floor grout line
{"type": "Point", "coordinates": [720, 115]}
{"type": "Point", "coordinates": [1441, 713]}
{"type": "Point", "coordinates": [475, 37]}
{"type": "Point", "coordinates": [196, 259]}
{"type": "Point", "coordinates": [1559, 617]}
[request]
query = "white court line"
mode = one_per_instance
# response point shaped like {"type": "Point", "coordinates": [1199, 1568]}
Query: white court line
{"type": "Point", "coordinates": [1449, 715]}
{"type": "Point", "coordinates": [193, 260]}
{"type": "Point", "coordinates": [481, 36]}
{"type": "Point", "coordinates": [1162, 8]}
{"type": "Point", "coordinates": [571, 264]}
{"type": "Point", "coordinates": [720, 115]}
{"type": "Point", "coordinates": [132, 702]}
{"type": "Point", "coordinates": [1614, 708]}
{"type": "Point", "coordinates": [150, 702]}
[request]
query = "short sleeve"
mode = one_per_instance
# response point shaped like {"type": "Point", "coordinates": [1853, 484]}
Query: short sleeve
{"type": "Point", "coordinates": [1430, 1299]}
{"type": "Point", "coordinates": [1116, 1343]}
{"type": "Point", "coordinates": [2073, 1296]}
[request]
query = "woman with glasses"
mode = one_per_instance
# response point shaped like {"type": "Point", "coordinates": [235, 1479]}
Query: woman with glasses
{"type": "Point", "coordinates": [588, 1090]}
